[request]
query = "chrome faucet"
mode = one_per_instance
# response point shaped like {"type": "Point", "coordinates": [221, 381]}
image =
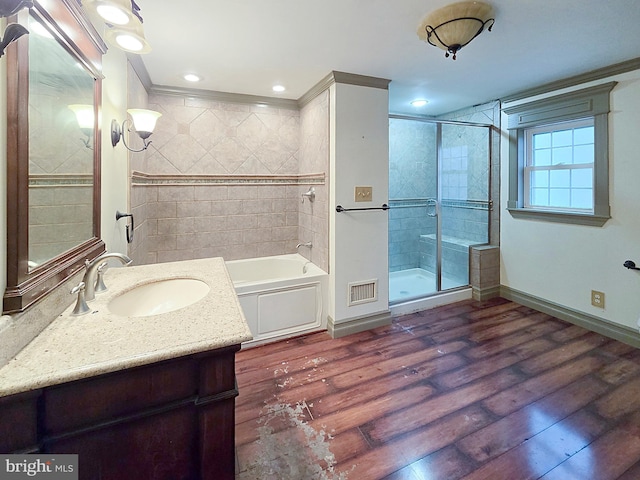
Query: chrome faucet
{"type": "Point", "coordinates": [89, 278]}
{"type": "Point", "coordinates": [307, 244]}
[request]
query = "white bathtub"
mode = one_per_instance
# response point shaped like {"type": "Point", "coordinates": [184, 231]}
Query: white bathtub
{"type": "Point", "coordinates": [281, 296]}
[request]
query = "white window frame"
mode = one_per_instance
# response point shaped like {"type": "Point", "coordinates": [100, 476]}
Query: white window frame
{"type": "Point", "coordinates": [529, 168]}
{"type": "Point", "coordinates": [588, 103]}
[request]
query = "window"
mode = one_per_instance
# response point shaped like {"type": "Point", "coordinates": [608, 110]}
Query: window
{"type": "Point", "coordinates": [558, 158]}
{"type": "Point", "coordinates": [558, 172]}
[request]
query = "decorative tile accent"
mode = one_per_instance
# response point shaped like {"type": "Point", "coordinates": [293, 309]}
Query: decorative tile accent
{"type": "Point", "coordinates": [139, 178]}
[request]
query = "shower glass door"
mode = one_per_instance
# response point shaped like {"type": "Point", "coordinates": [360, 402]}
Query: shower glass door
{"type": "Point", "coordinates": [438, 194]}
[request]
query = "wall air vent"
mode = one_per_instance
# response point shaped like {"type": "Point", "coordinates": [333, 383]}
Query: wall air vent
{"type": "Point", "coordinates": [362, 292]}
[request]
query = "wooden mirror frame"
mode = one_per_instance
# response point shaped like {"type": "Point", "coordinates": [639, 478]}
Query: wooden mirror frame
{"type": "Point", "coordinates": [69, 24]}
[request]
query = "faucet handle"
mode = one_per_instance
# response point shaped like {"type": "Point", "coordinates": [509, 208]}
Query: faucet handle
{"type": "Point", "coordinates": [81, 305]}
{"type": "Point", "coordinates": [100, 286]}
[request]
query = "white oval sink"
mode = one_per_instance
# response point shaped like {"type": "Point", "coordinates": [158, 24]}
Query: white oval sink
{"type": "Point", "coordinates": [159, 297]}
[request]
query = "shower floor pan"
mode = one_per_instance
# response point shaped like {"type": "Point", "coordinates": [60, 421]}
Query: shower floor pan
{"type": "Point", "coordinates": [415, 283]}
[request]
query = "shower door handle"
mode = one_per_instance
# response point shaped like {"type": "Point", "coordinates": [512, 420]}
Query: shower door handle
{"type": "Point", "coordinates": [432, 207]}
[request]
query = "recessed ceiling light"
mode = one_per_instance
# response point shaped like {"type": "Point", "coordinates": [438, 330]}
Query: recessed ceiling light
{"type": "Point", "coordinates": [279, 88]}
{"type": "Point", "coordinates": [419, 103]}
{"type": "Point", "coordinates": [192, 77]}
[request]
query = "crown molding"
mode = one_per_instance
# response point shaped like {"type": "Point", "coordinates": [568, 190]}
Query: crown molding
{"type": "Point", "coordinates": [342, 77]}
{"type": "Point", "coordinates": [224, 96]}
{"type": "Point", "coordinates": [600, 73]}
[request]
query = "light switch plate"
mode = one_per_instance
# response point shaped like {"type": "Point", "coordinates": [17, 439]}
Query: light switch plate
{"type": "Point", "coordinates": [363, 194]}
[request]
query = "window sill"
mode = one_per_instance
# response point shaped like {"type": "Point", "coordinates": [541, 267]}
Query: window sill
{"type": "Point", "coordinates": [569, 218]}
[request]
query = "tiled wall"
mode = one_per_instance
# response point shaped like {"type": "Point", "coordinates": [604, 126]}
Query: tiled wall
{"type": "Point", "coordinates": [313, 222]}
{"type": "Point", "coordinates": [488, 113]}
{"type": "Point", "coordinates": [465, 183]}
{"type": "Point", "coordinates": [485, 260]}
{"type": "Point", "coordinates": [412, 162]}
{"type": "Point", "coordinates": [60, 168]}
{"type": "Point", "coordinates": [228, 181]}
{"type": "Point", "coordinates": [60, 217]}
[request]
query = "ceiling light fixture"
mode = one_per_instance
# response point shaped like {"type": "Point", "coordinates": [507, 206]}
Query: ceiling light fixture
{"type": "Point", "coordinates": [191, 77]}
{"type": "Point", "coordinates": [144, 122]}
{"type": "Point", "coordinates": [278, 88]}
{"type": "Point", "coordinates": [419, 103]}
{"type": "Point", "coordinates": [115, 12]}
{"type": "Point", "coordinates": [454, 26]}
{"type": "Point", "coordinates": [129, 38]}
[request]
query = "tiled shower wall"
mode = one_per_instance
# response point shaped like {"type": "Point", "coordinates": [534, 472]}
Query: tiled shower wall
{"type": "Point", "coordinates": [488, 113]}
{"type": "Point", "coordinates": [484, 265]}
{"type": "Point", "coordinates": [411, 168]}
{"type": "Point", "coordinates": [192, 208]}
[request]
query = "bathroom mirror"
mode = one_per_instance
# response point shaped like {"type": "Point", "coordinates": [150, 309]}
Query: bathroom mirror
{"type": "Point", "coordinates": [53, 150]}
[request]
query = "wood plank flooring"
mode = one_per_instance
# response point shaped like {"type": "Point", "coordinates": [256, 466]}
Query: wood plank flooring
{"type": "Point", "coordinates": [472, 390]}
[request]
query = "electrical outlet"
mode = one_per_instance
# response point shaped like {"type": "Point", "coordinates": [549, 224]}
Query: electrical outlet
{"type": "Point", "coordinates": [597, 299]}
{"type": "Point", "coordinates": [364, 194]}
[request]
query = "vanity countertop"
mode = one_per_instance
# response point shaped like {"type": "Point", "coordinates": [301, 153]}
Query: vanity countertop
{"type": "Point", "coordinates": [76, 347]}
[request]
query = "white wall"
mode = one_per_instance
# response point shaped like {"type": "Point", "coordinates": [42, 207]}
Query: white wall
{"type": "Point", "coordinates": [562, 263]}
{"type": "Point", "coordinates": [115, 163]}
{"type": "Point", "coordinates": [359, 153]}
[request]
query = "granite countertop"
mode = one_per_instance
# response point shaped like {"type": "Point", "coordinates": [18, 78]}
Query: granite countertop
{"type": "Point", "coordinates": [76, 347]}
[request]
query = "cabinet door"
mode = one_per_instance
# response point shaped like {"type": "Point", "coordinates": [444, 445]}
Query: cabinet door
{"type": "Point", "coordinates": [157, 447]}
{"type": "Point", "coordinates": [19, 422]}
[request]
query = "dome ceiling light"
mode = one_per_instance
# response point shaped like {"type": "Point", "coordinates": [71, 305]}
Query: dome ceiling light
{"type": "Point", "coordinates": [454, 26]}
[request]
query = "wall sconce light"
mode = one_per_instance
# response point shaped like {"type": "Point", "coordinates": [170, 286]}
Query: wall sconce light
{"type": "Point", "coordinates": [85, 117]}
{"type": "Point", "coordinates": [144, 121]}
{"type": "Point", "coordinates": [454, 26]}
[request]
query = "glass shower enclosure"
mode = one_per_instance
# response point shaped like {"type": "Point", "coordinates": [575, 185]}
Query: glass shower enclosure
{"type": "Point", "coordinates": [439, 204]}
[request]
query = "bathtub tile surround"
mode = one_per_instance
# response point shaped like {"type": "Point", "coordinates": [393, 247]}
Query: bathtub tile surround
{"type": "Point", "coordinates": [225, 179]}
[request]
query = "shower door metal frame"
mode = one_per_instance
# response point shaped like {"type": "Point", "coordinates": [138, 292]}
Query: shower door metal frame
{"type": "Point", "coordinates": [438, 199]}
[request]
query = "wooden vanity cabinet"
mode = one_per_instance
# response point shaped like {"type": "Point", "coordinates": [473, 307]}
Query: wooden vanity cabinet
{"type": "Point", "coordinates": [169, 420]}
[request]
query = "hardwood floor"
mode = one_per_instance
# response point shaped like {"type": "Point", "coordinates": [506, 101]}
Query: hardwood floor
{"type": "Point", "coordinates": [473, 390]}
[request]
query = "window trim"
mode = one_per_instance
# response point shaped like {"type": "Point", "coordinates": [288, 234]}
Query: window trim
{"type": "Point", "coordinates": [592, 102]}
